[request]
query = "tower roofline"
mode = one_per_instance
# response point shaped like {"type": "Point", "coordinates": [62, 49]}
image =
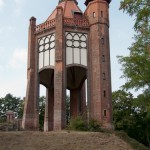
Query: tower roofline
{"type": "Point", "coordinates": [67, 0]}
{"type": "Point", "coordinates": [68, 7]}
{"type": "Point", "coordinates": [87, 1]}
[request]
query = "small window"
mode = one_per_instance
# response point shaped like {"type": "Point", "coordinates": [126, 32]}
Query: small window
{"type": "Point", "coordinates": [105, 113]}
{"type": "Point", "coordinates": [104, 93]}
{"type": "Point", "coordinates": [77, 15]}
{"type": "Point", "coordinates": [94, 14]}
{"type": "Point", "coordinates": [103, 58]}
{"type": "Point", "coordinates": [104, 76]}
{"type": "Point", "coordinates": [101, 13]}
{"type": "Point", "coordinates": [102, 40]}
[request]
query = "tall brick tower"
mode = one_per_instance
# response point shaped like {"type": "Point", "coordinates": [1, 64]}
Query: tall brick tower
{"type": "Point", "coordinates": [100, 102]}
{"type": "Point", "coordinates": [67, 49]}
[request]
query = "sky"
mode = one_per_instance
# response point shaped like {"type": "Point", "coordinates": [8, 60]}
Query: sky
{"type": "Point", "coordinates": [14, 22]}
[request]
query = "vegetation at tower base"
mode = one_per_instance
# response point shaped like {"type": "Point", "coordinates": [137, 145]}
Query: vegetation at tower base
{"type": "Point", "coordinates": [42, 101]}
{"type": "Point", "coordinates": [67, 109]}
{"type": "Point", "coordinates": [80, 124]}
{"type": "Point", "coordinates": [133, 114]}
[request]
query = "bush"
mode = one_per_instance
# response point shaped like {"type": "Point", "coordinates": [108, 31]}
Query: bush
{"type": "Point", "coordinates": [2, 119]}
{"type": "Point", "coordinates": [94, 126]}
{"type": "Point", "coordinates": [78, 124]}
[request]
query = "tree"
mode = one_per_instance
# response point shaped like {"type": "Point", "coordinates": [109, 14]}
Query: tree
{"type": "Point", "coordinates": [140, 9]}
{"type": "Point", "coordinates": [132, 115]}
{"type": "Point", "coordinates": [123, 110]}
{"type": "Point", "coordinates": [136, 66]}
{"type": "Point", "coordinates": [136, 69]}
{"type": "Point", "coordinates": [9, 102]}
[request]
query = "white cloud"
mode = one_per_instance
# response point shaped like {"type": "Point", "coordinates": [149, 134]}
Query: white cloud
{"type": "Point", "coordinates": [1, 3]}
{"type": "Point", "coordinates": [19, 58]}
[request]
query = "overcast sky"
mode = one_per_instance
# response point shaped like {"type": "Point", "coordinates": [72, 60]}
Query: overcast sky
{"type": "Point", "coordinates": [14, 21]}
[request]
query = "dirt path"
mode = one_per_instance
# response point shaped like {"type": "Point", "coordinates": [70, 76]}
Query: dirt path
{"type": "Point", "coordinates": [61, 141]}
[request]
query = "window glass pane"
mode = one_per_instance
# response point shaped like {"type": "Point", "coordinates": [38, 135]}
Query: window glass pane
{"type": "Point", "coordinates": [41, 42]}
{"type": "Point", "coordinates": [52, 38]}
{"type": "Point", "coordinates": [84, 57]}
{"type": "Point", "coordinates": [46, 40]}
{"type": "Point", "coordinates": [40, 60]}
{"type": "Point", "coordinates": [69, 56]}
{"type": "Point", "coordinates": [69, 43]}
{"type": "Point", "coordinates": [76, 55]}
{"type": "Point", "coordinates": [83, 44]}
{"type": "Point", "coordinates": [46, 58]}
{"type": "Point", "coordinates": [83, 38]}
{"type": "Point", "coordinates": [46, 46]}
{"type": "Point", "coordinates": [41, 48]}
{"type": "Point", "coordinates": [52, 45]}
{"type": "Point", "coordinates": [69, 37]}
{"type": "Point", "coordinates": [76, 43]}
{"type": "Point", "coordinates": [76, 37]}
{"type": "Point", "coordinates": [52, 57]}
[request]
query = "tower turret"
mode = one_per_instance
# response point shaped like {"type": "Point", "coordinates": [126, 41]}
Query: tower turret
{"type": "Point", "coordinates": [97, 12]}
{"type": "Point", "coordinates": [87, 1]}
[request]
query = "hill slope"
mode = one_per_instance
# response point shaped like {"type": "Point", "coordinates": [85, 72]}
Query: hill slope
{"type": "Point", "coordinates": [61, 141]}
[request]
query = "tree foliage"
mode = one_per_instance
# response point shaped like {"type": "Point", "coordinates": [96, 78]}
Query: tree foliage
{"type": "Point", "coordinates": [136, 66]}
{"type": "Point", "coordinates": [132, 115]}
{"type": "Point", "coordinates": [140, 9]}
{"type": "Point", "coordinates": [42, 101]}
{"type": "Point", "coordinates": [9, 102]}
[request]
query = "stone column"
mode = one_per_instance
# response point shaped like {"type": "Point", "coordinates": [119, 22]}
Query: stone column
{"type": "Point", "coordinates": [49, 110]}
{"type": "Point", "coordinates": [31, 113]}
{"type": "Point", "coordinates": [59, 77]}
{"type": "Point", "coordinates": [74, 103]}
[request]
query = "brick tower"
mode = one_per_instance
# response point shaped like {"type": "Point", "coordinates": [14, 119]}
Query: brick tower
{"type": "Point", "coordinates": [67, 49]}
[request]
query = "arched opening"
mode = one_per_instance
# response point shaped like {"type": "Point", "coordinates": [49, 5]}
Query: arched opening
{"type": "Point", "coordinates": [46, 78]}
{"type": "Point", "coordinates": [42, 101]}
{"type": "Point", "coordinates": [76, 85]}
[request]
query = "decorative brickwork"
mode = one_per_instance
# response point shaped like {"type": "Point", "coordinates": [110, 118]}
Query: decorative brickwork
{"type": "Point", "coordinates": [46, 25]}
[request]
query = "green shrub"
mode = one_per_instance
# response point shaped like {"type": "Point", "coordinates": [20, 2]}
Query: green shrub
{"type": "Point", "coordinates": [94, 126]}
{"type": "Point", "coordinates": [78, 124]}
